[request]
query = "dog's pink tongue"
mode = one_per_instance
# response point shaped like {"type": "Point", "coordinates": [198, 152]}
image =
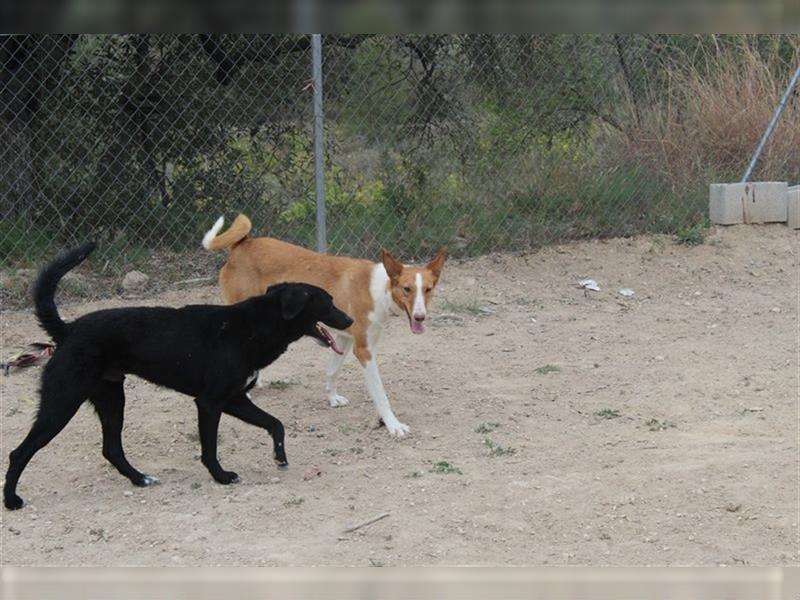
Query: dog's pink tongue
{"type": "Point", "coordinates": [335, 347]}
{"type": "Point", "coordinates": [417, 327]}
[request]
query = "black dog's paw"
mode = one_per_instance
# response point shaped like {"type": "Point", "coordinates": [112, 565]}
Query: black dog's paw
{"type": "Point", "coordinates": [146, 481]}
{"type": "Point", "coordinates": [279, 456]}
{"type": "Point", "coordinates": [13, 502]}
{"type": "Point", "coordinates": [227, 477]}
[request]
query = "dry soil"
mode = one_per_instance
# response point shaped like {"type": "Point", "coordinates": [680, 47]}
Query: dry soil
{"type": "Point", "coordinates": [550, 426]}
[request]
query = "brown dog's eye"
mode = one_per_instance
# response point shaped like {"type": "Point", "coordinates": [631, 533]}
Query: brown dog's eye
{"type": "Point", "coordinates": [407, 290]}
{"type": "Point", "coordinates": [428, 290]}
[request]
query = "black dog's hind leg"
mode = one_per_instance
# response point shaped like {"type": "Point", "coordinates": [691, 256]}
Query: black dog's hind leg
{"type": "Point", "coordinates": [109, 402]}
{"type": "Point", "coordinates": [208, 416]}
{"type": "Point", "coordinates": [61, 397]}
{"type": "Point", "coordinates": [243, 408]}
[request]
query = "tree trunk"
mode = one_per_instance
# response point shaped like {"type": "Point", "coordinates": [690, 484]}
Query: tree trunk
{"type": "Point", "coordinates": [16, 174]}
{"type": "Point", "coordinates": [29, 67]}
{"type": "Point", "coordinates": [16, 165]}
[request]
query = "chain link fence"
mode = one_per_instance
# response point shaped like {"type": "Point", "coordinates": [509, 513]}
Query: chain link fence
{"type": "Point", "coordinates": [477, 142]}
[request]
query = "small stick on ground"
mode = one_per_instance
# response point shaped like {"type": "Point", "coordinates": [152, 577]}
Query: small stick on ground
{"type": "Point", "coordinates": [195, 280]}
{"type": "Point", "coordinates": [365, 523]}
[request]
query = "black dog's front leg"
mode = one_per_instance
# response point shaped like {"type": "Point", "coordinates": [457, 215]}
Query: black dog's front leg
{"type": "Point", "coordinates": [208, 416]}
{"type": "Point", "coordinates": [243, 408]}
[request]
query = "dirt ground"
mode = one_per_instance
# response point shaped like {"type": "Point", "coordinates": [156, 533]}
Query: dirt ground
{"type": "Point", "coordinates": [660, 429]}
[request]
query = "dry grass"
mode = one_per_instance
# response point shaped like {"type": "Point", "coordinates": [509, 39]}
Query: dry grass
{"type": "Point", "coordinates": [715, 110]}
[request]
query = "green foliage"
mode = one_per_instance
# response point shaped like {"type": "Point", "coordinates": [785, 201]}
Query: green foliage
{"type": "Point", "coordinates": [445, 467]}
{"type": "Point", "coordinates": [656, 425]}
{"type": "Point", "coordinates": [25, 243]}
{"type": "Point", "coordinates": [608, 413]}
{"type": "Point", "coordinates": [486, 427]}
{"type": "Point", "coordinates": [477, 142]}
{"type": "Point", "coordinates": [497, 449]}
{"type": "Point", "coordinates": [280, 384]}
{"type": "Point", "coordinates": [460, 306]}
{"type": "Point", "coordinates": [692, 235]}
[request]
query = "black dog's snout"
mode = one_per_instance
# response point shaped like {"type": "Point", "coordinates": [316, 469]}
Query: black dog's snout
{"type": "Point", "coordinates": [342, 319]}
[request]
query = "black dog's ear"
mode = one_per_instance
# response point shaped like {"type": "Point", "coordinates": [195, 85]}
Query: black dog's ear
{"type": "Point", "coordinates": [293, 300]}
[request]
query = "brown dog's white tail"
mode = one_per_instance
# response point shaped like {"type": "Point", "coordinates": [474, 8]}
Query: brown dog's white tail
{"type": "Point", "coordinates": [238, 230]}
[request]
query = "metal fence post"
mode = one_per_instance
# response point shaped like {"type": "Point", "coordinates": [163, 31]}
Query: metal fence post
{"type": "Point", "coordinates": [771, 127]}
{"type": "Point", "coordinates": [319, 147]}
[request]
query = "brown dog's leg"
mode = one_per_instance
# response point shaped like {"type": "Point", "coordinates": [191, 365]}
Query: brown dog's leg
{"type": "Point", "coordinates": [377, 393]}
{"type": "Point", "coordinates": [335, 362]}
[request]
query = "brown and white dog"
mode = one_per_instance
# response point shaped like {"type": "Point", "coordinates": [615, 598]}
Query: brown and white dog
{"type": "Point", "coordinates": [368, 292]}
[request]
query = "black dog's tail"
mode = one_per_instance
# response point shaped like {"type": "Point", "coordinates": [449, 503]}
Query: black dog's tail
{"type": "Point", "coordinates": [44, 290]}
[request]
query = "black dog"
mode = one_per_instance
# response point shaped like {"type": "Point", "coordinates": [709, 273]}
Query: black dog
{"type": "Point", "coordinates": [208, 352]}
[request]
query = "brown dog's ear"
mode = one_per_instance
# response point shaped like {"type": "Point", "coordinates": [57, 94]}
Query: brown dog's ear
{"type": "Point", "coordinates": [393, 266]}
{"type": "Point", "coordinates": [436, 264]}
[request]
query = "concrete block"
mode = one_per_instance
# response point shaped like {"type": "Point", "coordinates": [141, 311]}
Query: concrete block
{"type": "Point", "coordinates": [765, 202]}
{"type": "Point", "coordinates": [752, 202]}
{"type": "Point", "coordinates": [793, 207]}
{"type": "Point", "coordinates": [725, 204]}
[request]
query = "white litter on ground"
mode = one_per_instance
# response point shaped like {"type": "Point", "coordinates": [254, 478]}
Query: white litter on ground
{"type": "Point", "coordinates": [589, 284]}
